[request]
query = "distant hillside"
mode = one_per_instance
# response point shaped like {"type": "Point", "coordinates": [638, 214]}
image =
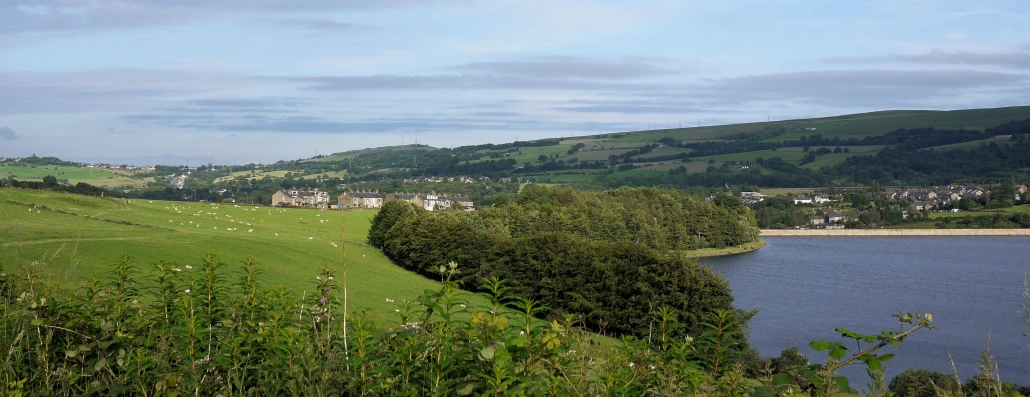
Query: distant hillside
{"type": "Point", "coordinates": [899, 147]}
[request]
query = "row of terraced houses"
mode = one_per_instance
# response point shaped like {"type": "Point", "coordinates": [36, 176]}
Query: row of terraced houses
{"type": "Point", "coordinates": [352, 200]}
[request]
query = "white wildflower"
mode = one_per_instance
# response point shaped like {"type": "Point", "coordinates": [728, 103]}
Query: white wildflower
{"type": "Point", "coordinates": [330, 278]}
{"type": "Point", "coordinates": [189, 267]}
{"type": "Point", "coordinates": [177, 269]}
{"type": "Point", "coordinates": [929, 317]}
{"type": "Point", "coordinates": [631, 365]}
{"type": "Point", "coordinates": [187, 291]}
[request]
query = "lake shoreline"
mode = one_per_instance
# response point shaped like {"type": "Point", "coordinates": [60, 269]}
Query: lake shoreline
{"type": "Point", "coordinates": [713, 252]}
{"type": "Point", "coordinates": [891, 232]}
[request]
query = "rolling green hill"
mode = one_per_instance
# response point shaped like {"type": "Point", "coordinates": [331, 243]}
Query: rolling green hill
{"type": "Point", "coordinates": [80, 235]}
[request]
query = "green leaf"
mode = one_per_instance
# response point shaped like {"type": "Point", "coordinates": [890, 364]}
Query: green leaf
{"type": "Point", "coordinates": [871, 338]}
{"type": "Point", "coordinates": [873, 363]}
{"type": "Point", "coordinates": [37, 322]}
{"type": "Point", "coordinates": [487, 353]}
{"type": "Point", "coordinates": [466, 389]}
{"type": "Point", "coordinates": [821, 345]}
{"type": "Point", "coordinates": [781, 379]}
{"type": "Point", "coordinates": [842, 382]}
{"type": "Point", "coordinates": [886, 357]}
{"type": "Point", "coordinates": [101, 363]}
{"type": "Point", "coordinates": [838, 353]}
{"type": "Point", "coordinates": [764, 391]}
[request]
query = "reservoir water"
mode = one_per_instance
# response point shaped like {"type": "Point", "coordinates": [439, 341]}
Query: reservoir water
{"type": "Point", "coordinates": [807, 286]}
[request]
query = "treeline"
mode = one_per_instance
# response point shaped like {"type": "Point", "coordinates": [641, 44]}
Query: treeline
{"type": "Point", "coordinates": [925, 167]}
{"type": "Point", "coordinates": [50, 183]}
{"type": "Point", "coordinates": [607, 256]}
{"type": "Point", "coordinates": [36, 160]}
{"type": "Point", "coordinates": [998, 221]}
{"type": "Point", "coordinates": [906, 139]}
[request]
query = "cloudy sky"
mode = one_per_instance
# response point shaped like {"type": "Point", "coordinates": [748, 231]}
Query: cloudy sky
{"type": "Point", "coordinates": [240, 81]}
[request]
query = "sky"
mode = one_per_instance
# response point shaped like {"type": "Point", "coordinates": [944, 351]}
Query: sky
{"type": "Point", "coordinates": [147, 82]}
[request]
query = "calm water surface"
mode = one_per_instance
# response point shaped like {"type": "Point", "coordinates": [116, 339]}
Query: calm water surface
{"type": "Point", "coordinates": [807, 286]}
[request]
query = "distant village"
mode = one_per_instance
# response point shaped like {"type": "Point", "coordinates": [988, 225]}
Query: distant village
{"type": "Point", "coordinates": [367, 200]}
{"type": "Point", "coordinates": [830, 213]}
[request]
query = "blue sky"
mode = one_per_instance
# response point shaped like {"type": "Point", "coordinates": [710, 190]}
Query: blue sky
{"type": "Point", "coordinates": [240, 81]}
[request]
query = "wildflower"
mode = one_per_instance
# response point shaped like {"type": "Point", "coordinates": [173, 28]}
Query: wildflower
{"type": "Point", "coordinates": [689, 339]}
{"type": "Point", "coordinates": [631, 365]}
{"type": "Point", "coordinates": [187, 291]}
{"type": "Point", "coordinates": [651, 366]}
{"type": "Point", "coordinates": [318, 277]}
{"type": "Point", "coordinates": [330, 278]}
{"type": "Point", "coordinates": [929, 317]}
{"type": "Point", "coordinates": [324, 299]}
{"type": "Point", "coordinates": [189, 267]}
{"type": "Point", "coordinates": [177, 269]}
{"type": "Point", "coordinates": [327, 290]}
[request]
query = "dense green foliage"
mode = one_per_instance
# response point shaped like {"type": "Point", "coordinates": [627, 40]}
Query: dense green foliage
{"type": "Point", "coordinates": [50, 183]}
{"type": "Point", "coordinates": [610, 257]}
{"type": "Point", "coordinates": [924, 383]}
{"type": "Point", "coordinates": [218, 329]}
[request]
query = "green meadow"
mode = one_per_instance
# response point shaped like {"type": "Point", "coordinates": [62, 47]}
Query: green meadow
{"type": "Point", "coordinates": [1025, 208]}
{"type": "Point", "coordinates": [84, 235]}
{"type": "Point", "coordinates": [92, 176]}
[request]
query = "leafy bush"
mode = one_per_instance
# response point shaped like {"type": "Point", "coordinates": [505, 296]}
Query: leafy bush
{"type": "Point", "coordinates": [924, 383]}
{"type": "Point", "coordinates": [605, 256]}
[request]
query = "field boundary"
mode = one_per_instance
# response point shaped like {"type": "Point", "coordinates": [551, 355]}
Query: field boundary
{"type": "Point", "coordinates": [892, 232]}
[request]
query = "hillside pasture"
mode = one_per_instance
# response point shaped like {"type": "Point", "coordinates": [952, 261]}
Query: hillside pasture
{"type": "Point", "coordinates": [1001, 141]}
{"type": "Point", "coordinates": [94, 176]}
{"type": "Point", "coordinates": [91, 234]}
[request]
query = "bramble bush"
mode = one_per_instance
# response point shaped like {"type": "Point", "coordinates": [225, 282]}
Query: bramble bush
{"type": "Point", "coordinates": [214, 329]}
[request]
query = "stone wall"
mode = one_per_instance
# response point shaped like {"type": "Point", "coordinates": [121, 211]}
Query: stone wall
{"type": "Point", "coordinates": [892, 232]}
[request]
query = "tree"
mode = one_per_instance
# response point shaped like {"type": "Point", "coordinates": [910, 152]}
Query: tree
{"type": "Point", "coordinates": [920, 383]}
{"type": "Point", "coordinates": [50, 181]}
{"type": "Point", "coordinates": [543, 158]}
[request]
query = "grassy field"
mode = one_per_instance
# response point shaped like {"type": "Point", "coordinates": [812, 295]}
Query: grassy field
{"type": "Point", "coordinates": [974, 144]}
{"type": "Point", "coordinates": [288, 244]}
{"type": "Point", "coordinates": [1025, 208]}
{"type": "Point", "coordinates": [569, 176]}
{"type": "Point", "coordinates": [254, 174]}
{"type": "Point", "coordinates": [92, 176]}
{"type": "Point", "coordinates": [848, 126]}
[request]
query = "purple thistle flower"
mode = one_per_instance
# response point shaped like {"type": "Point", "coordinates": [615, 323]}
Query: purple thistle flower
{"type": "Point", "coordinates": [327, 290]}
{"type": "Point", "coordinates": [324, 299]}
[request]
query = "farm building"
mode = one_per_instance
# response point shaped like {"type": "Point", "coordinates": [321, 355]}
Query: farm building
{"type": "Point", "coordinates": [301, 198]}
{"type": "Point", "coordinates": [349, 200]}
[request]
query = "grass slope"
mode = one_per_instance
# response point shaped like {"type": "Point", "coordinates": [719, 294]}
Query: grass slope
{"type": "Point", "coordinates": [92, 176]}
{"type": "Point", "coordinates": [847, 126]}
{"type": "Point", "coordinates": [288, 245]}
